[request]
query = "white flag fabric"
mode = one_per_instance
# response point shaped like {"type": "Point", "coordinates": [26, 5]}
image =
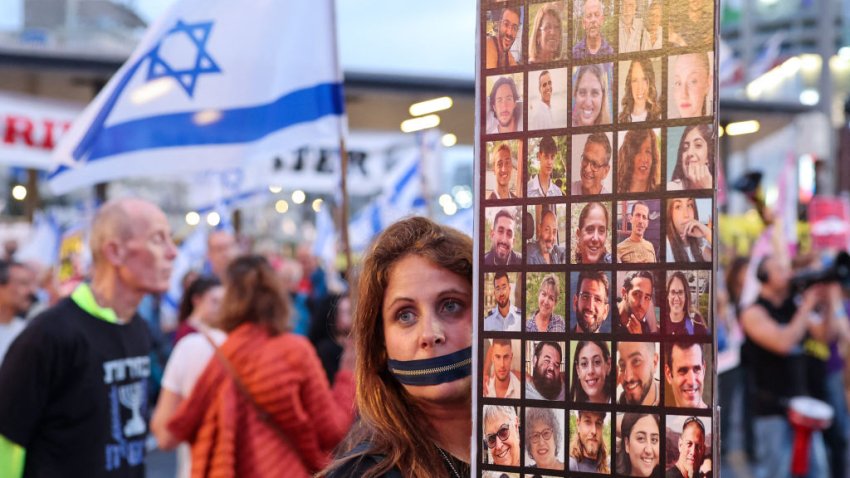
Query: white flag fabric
{"type": "Point", "coordinates": [212, 84]}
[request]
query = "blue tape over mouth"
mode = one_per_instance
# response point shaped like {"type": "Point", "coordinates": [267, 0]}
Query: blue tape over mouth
{"type": "Point", "coordinates": [433, 371]}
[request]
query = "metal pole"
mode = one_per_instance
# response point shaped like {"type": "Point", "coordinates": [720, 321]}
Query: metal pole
{"type": "Point", "coordinates": [343, 214]}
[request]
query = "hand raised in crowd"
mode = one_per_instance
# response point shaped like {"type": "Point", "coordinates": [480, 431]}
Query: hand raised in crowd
{"type": "Point", "coordinates": [699, 175]}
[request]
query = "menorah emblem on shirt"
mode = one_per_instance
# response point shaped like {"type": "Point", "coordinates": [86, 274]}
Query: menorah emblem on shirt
{"type": "Point", "coordinates": [132, 396]}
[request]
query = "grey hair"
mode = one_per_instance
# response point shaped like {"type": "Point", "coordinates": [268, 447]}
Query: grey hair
{"type": "Point", "coordinates": [547, 417]}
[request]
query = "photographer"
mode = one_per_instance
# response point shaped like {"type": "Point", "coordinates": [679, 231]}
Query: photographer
{"type": "Point", "coordinates": [775, 328]}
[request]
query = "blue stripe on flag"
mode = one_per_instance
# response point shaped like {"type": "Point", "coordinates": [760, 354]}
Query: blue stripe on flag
{"type": "Point", "coordinates": [238, 125]}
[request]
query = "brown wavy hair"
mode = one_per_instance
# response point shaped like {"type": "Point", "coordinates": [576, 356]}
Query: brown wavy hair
{"type": "Point", "coordinates": [254, 293]}
{"type": "Point", "coordinates": [626, 160]}
{"type": "Point", "coordinates": [390, 421]}
{"type": "Point", "coordinates": [653, 108]}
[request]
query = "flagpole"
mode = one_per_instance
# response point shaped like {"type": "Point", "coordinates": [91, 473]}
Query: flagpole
{"type": "Point", "coordinates": [343, 216]}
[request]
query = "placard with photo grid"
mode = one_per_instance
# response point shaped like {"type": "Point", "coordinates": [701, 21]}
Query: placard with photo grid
{"type": "Point", "coordinates": [611, 126]}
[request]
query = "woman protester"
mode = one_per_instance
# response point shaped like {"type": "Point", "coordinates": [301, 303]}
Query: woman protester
{"type": "Point", "coordinates": [544, 319]}
{"type": "Point", "coordinates": [681, 319]}
{"type": "Point", "coordinates": [592, 369]}
{"type": "Point", "coordinates": [592, 235]}
{"type": "Point", "coordinates": [641, 445]}
{"type": "Point", "coordinates": [590, 96]}
{"type": "Point", "coordinates": [688, 239]}
{"type": "Point", "coordinates": [543, 438]}
{"type": "Point", "coordinates": [639, 162]}
{"type": "Point", "coordinates": [198, 311]}
{"type": "Point", "coordinates": [640, 101]}
{"type": "Point", "coordinates": [263, 407]}
{"type": "Point", "coordinates": [695, 160]}
{"type": "Point", "coordinates": [198, 307]}
{"type": "Point", "coordinates": [413, 336]}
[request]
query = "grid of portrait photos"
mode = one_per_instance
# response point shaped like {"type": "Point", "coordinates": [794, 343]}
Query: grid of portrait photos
{"type": "Point", "coordinates": [596, 169]}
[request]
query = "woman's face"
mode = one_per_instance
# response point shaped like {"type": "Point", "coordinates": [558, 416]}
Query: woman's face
{"type": "Point", "coordinates": [642, 162]}
{"type": "Point", "coordinates": [543, 449]}
{"type": "Point", "coordinates": [690, 84]}
{"type": "Point", "coordinates": [694, 149]}
{"type": "Point", "coordinates": [592, 371]}
{"type": "Point", "coordinates": [208, 304]}
{"type": "Point", "coordinates": [676, 296]}
{"type": "Point", "coordinates": [427, 313]}
{"type": "Point", "coordinates": [588, 100]}
{"type": "Point", "coordinates": [639, 85]}
{"type": "Point", "coordinates": [550, 37]}
{"type": "Point", "coordinates": [592, 235]}
{"type": "Point", "coordinates": [681, 213]}
{"type": "Point", "coordinates": [546, 299]}
{"type": "Point", "coordinates": [642, 446]}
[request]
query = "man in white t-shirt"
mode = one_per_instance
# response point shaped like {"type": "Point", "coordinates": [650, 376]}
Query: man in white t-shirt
{"type": "Point", "coordinates": [503, 383]}
{"type": "Point", "coordinates": [540, 112]}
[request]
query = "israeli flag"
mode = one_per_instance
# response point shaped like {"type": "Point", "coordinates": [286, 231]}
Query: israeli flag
{"type": "Point", "coordinates": [212, 84]}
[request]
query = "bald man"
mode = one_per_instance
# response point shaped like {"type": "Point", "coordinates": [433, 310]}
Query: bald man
{"type": "Point", "coordinates": [74, 382]}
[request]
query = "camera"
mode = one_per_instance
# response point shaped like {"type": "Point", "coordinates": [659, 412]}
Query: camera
{"type": "Point", "coordinates": [838, 271]}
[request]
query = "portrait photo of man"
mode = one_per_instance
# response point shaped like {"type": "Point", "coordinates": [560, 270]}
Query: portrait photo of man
{"type": "Point", "coordinates": [692, 446]}
{"type": "Point", "coordinates": [503, 164]}
{"type": "Point", "coordinates": [590, 442]}
{"type": "Point", "coordinates": [590, 25]}
{"type": "Point", "coordinates": [636, 312]}
{"type": "Point", "coordinates": [504, 114]}
{"type": "Point", "coordinates": [591, 164]}
{"type": "Point", "coordinates": [638, 222]}
{"type": "Point", "coordinates": [547, 99]}
{"type": "Point", "coordinates": [638, 375]}
{"type": "Point", "coordinates": [591, 309]}
{"type": "Point", "coordinates": [545, 247]}
{"type": "Point", "coordinates": [546, 167]}
{"type": "Point", "coordinates": [547, 375]}
{"type": "Point", "coordinates": [685, 365]}
{"type": "Point", "coordinates": [503, 237]}
{"type": "Point", "coordinates": [498, 45]}
{"type": "Point", "coordinates": [502, 373]}
{"type": "Point", "coordinates": [501, 314]}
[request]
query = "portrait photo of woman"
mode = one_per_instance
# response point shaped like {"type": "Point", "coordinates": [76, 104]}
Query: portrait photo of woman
{"type": "Point", "coordinates": [688, 238]}
{"type": "Point", "coordinates": [639, 438]}
{"type": "Point", "coordinates": [592, 379]}
{"type": "Point", "coordinates": [545, 297]}
{"type": "Point", "coordinates": [591, 101]}
{"type": "Point", "coordinates": [689, 85]}
{"type": "Point", "coordinates": [639, 91]}
{"type": "Point", "coordinates": [691, 165]}
{"type": "Point", "coordinates": [546, 37]}
{"type": "Point", "coordinates": [544, 431]}
{"type": "Point", "coordinates": [683, 317]}
{"type": "Point", "coordinates": [592, 225]}
{"type": "Point", "coordinates": [639, 161]}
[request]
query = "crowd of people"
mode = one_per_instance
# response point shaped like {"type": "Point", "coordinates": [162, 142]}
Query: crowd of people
{"type": "Point", "coordinates": [250, 387]}
{"type": "Point", "coordinates": [376, 381]}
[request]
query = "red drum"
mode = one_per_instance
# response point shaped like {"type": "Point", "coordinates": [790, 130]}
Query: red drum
{"type": "Point", "coordinates": [806, 415]}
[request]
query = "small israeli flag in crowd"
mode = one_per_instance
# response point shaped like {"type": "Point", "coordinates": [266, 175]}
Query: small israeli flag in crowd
{"type": "Point", "coordinates": [212, 84]}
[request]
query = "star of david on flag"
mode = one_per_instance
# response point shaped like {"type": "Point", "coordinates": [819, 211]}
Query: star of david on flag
{"type": "Point", "coordinates": [213, 84]}
{"type": "Point", "coordinates": [187, 77]}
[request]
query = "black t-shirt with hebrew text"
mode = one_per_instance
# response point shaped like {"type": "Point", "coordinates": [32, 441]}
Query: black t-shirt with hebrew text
{"type": "Point", "coordinates": [73, 393]}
